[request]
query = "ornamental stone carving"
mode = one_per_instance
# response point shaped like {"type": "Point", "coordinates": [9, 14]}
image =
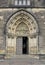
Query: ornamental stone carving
{"type": "Point", "coordinates": [22, 22]}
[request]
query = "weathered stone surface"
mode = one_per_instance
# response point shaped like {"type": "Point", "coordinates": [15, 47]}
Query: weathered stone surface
{"type": "Point", "coordinates": [40, 18]}
{"type": "Point", "coordinates": [22, 60]}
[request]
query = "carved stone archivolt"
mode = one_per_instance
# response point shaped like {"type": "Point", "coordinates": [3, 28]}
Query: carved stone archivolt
{"type": "Point", "coordinates": [19, 23]}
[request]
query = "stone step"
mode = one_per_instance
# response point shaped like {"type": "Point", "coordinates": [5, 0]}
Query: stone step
{"type": "Point", "coordinates": [21, 60]}
{"type": "Point", "coordinates": [22, 56]}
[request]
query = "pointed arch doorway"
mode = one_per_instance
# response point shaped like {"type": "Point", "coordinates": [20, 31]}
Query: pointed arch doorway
{"type": "Point", "coordinates": [22, 31]}
{"type": "Point", "coordinates": [22, 46]}
{"type": "Point", "coordinates": [22, 34]}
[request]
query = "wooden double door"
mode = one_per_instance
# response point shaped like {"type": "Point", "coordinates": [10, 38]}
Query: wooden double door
{"type": "Point", "coordinates": [21, 45]}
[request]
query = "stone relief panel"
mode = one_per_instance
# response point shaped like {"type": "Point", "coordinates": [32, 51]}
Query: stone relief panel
{"type": "Point", "coordinates": [22, 29]}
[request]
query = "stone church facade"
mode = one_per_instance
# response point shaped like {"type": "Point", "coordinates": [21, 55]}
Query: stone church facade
{"type": "Point", "coordinates": [22, 30]}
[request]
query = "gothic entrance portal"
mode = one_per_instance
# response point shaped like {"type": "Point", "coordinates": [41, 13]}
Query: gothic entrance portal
{"type": "Point", "coordinates": [22, 34]}
{"type": "Point", "coordinates": [22, 45]}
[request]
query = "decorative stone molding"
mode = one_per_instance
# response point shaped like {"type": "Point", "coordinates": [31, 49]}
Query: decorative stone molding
{"type": "Point", "coordinates": [24, 17]}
